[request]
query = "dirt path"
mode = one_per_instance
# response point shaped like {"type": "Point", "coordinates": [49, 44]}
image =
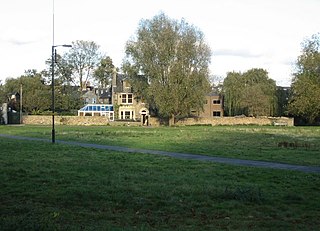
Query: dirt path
{"type": "Point", "coordinates": [231, 161]}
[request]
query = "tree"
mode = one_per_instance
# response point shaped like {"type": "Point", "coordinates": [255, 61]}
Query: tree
{"type": "Point", "coordinates": [82, 59]}
{"type": "Point", "coordinates": [232, 90]}
{"type": "Point", "coordinates": [252, 93]}
{"type": "Point", "coordinates": [306, 82]}
{"type": "Point", "coordinates": [262, 101]}
{"type": "Point", "coordinates": [171, 58]}
{"type": "Point", "coordinates": [67, 96]}
{"type": "Point", "coordinates": [63, 71]}
{"type": "Point", "coordinates": [36, 95]}
{"type": "Point", "coordinates": [2, 93]}
{"type": "Point", "coordinates": [104, 71]}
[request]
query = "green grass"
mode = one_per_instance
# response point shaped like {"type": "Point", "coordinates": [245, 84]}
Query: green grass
{"type": "Point", "coordinates": [60, 187]}
{"type": "Point", "coordinates": [244, 142]}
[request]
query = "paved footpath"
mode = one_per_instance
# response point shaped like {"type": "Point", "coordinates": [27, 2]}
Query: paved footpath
{"type": "Point", "coordinates": [231, 161]}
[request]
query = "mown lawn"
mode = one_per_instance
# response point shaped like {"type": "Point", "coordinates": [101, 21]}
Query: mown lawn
{"type": "Point", "coordinates": [295, 145]}
{"type": "Point", "coordinates": [60, 187]}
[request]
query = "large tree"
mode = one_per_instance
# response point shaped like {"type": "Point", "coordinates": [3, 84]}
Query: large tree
{"type": "Point", "coordinates": [82, 59]}
{"type": "Point", "coordinates": [251, 93]}
{"type": "Point", "coordinates": [306, 82]}
{"type": "Point", "coordinates": [171, 58]}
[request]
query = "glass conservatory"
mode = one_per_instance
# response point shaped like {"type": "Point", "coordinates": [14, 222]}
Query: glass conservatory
{"type": "Point", "coordinates": [97, 110]}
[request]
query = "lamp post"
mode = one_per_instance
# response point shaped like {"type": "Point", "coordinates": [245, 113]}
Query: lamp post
{"type": "Point", "coordinates": [53, 58]}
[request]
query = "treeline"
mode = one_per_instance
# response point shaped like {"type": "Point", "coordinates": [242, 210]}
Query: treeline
{"type": "Point", "coordinates": [36, 94]}
{"type": "Point", "coordinates": [253, 93]}
{"type": "Point", "coordinates": [167, 63]}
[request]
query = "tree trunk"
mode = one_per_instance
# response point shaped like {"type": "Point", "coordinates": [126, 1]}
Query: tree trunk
{"type": "Point", "coordinates": [171, 120]}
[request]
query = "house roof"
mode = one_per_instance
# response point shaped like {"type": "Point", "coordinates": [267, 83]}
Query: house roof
{"type": "Point", "coordinates": [213, 93]}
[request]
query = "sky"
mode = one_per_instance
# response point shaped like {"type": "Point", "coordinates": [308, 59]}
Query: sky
{"type": "Point", "coordinates": [242, 34]}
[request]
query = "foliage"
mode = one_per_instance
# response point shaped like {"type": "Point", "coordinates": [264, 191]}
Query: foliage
{"type": "Point", "coordinates": [232, 90]}
{"type": "Point", "coordinates": [103, 73]}
{"type": "Point", "coordinates": [36, 94]}
{"type": "Point", "coordinates": [306, 82]}
{"type": "Point", "coordinates": [252, 93]}
{"type": "Point", "coordinates": [67, 98]}
{"type": "Point", "coordinates": [171, 58]}
{"type": "Point", "coordinates": [2, 93]}
{"type": "Point", "coordinates": [82, 59]}
{"type": "Point", "coordinates": [60, 187]}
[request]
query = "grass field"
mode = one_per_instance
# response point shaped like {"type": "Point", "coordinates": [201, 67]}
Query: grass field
{"type": "Point", "coordinates": [61, 187]}
{"type": "Point", "coordinates": [294, 145]}
{"type": "Point", "coordinates": [49, 187]}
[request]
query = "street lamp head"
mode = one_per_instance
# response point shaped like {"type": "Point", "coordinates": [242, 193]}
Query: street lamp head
{"type": "Point", "coordinates": [64, 45]}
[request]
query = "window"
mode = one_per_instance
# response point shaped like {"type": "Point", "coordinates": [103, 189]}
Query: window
{"type": "Point", "coordinates": [206, 101]}
{"type": "Point", "coordinates": [124, 98]}
{"type": "Point", "coordinates": [129, 98]}
{"type": "Point", "coordinates": [111, 116]}
{"type": "Point", "coordinates": [216, 114]}
{"type": "Point", "coordinates": [127, 115]}
{"type": "Point", "coordinates": [216, 101]}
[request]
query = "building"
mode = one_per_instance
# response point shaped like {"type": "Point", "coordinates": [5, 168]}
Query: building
{"type": "Point", "coordinates": [128, 106]}
{"type": "Point", "coordinates": [213, 106]}
{"type": "Point", "coordinates": [116, 102]}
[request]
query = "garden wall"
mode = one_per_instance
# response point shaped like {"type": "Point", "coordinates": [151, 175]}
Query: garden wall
{"type": "Point", "coordinates": [74, 120]}
{"type": "Point", "coordinates": [102, 120]}
{"type": "Point", "coordinates": [280, 121]}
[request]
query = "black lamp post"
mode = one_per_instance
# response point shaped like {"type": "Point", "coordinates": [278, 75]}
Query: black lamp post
{"type": "Point", "coordinates": [53, 58]}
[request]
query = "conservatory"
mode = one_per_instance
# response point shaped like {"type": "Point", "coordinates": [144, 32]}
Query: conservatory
{"type": "Point", "coordinates": [97, 110]}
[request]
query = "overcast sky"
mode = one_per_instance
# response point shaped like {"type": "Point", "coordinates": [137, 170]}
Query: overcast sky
{"type": "Point", "coordinates": [242, 34]}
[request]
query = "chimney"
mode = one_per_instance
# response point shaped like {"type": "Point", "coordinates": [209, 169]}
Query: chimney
{"type": "Point", "coordinates": [114, 85]}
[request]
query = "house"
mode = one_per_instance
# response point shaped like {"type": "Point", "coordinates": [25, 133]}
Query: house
{"type": "Point", "coordinates": [104, 95]}
{"type": "Point", "coordinates": [89, 96]}
{"type": "Point", "coordinates": [97, 102]}
{"type": "Point", "coordinates": [129, 107]}
{"type": "Point", "coordinates": [116, 102]}
{"type": "Point", "coordinates": [213, 106]}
